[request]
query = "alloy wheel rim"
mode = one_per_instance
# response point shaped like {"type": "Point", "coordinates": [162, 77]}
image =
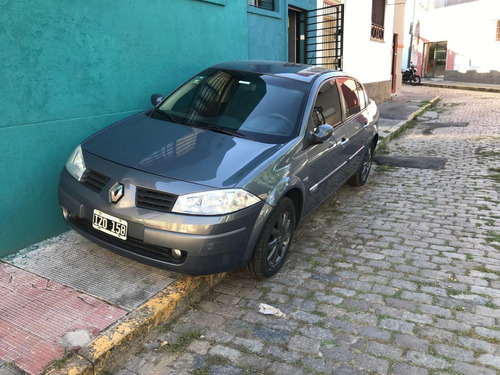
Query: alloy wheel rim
{"type": "Point", "coordinates": [279, 240]}
{"type": "Point", "coordinates": [367, 163]}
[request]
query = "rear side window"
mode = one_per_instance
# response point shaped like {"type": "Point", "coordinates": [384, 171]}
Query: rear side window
{"type": "Point", "coordinates": [354, 96]}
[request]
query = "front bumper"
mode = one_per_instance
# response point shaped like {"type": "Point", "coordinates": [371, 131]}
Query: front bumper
{"type": "Point", "coordinates": [209, 244]}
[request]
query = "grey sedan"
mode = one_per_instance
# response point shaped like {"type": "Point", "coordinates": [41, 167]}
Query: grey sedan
{"type": "Point", "coordinates": [218, 174]}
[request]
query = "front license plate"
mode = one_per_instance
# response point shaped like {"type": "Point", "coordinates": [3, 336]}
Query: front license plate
{"type": "Point", "coordinates": [110, 224]}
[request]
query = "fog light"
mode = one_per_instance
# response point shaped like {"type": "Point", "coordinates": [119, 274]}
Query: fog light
{"type": "Point", "coordinates": [65, 212]}
{"type": "Point", "coordinates": [176, 254]}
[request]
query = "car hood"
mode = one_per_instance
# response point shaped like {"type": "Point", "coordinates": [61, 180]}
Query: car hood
{"type": "Point", "coordinates": [179, 152]}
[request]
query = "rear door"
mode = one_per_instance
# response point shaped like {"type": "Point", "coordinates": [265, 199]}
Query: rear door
{"type": "Point", "coordinates": [354, 102]}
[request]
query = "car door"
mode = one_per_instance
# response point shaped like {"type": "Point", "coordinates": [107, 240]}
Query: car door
{"type": "Point", "coordinates": [326, 160]}
{"type": "Point", "coordinates": [357, 137]}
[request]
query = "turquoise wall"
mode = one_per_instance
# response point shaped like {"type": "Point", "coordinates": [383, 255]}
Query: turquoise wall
{"type": "Point", "coordinates": [69, 68]}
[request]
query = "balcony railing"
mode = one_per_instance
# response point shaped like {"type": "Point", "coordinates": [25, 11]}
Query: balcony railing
{"type": "Point", "coordinates": [377, 32]}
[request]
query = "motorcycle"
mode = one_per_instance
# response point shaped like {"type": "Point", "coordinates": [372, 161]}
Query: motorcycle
{"type": "Point", "coordinates": [409, 75]}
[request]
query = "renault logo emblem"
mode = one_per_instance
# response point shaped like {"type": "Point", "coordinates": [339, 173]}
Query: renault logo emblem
{"type": "Point", "coordinates": [116, 193]}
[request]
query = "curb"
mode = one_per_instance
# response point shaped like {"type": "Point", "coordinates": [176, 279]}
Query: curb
{"type": "Point", "coordinates": [460, 87]}
{"type": "Point", "coordinates": [127, 335]}
{"type": "Point", "coordinates": [401, 126]}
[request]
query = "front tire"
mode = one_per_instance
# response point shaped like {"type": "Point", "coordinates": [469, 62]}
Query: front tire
{"type": "Point", "coordinates": [274, 242]}
{"type": "Point", "coordinates": [361, 175]}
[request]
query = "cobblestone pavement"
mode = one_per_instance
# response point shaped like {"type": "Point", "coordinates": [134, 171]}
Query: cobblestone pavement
{"type": "Point", "coordinates": [401, 276]}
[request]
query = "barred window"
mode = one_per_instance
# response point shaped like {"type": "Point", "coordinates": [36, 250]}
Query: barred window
{"type": "Point", "coordinates": [378, 18]}
{"type": "Point", "coordinates": [498, 30]}
{"type": "Point", "coordinates": [264, 4]}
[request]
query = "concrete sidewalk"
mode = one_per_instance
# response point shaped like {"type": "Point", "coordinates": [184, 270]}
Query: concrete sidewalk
{"type": "Point", "coordinates": [69, 306]}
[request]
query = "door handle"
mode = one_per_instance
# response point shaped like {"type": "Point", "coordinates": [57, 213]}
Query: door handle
{"type": "Point", "coordinates": [344, 141]}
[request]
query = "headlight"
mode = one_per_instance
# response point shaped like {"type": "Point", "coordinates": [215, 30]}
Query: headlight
{"type": "Point", "coordinates": [214, 202]}
{"type": "Point", "coordinates": [75, 164]}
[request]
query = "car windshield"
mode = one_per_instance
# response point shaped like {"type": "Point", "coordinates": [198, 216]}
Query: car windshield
{"type": "Point", "coordinates": [260, 107]}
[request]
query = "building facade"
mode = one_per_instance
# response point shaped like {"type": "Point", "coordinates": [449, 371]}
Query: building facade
{"type": "Point", "coordinates": [69, 69]}
{"type": "Point", "coordinates": [455, 40]}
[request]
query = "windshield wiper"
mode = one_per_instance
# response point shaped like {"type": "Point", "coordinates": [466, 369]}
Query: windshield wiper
{"type": "Point", "coordinates": [219, 129]}
{"type": "Point", "coordinates": [166, 114]}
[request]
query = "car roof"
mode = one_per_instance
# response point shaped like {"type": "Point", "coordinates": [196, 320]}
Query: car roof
{"type": "Point", "coordinates": [299, 72]}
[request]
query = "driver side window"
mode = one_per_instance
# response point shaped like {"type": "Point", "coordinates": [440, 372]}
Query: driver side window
{"type": "Point", "coordinates": [327, 108]}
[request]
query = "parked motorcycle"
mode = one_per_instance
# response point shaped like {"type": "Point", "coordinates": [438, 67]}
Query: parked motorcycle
{"type": "Point", "coordinates": [409, 75]}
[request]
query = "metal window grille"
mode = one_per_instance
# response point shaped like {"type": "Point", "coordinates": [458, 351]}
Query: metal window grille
{"type": "Point", "coordinates": [264, 4]}
{"type": "Point", "coordinates": [325, 36]}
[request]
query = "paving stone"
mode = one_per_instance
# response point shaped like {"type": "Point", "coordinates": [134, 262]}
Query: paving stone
{"type": "Point", "coordinates": [372, 364]}
{"type": "Point", "coordinates": [490, 360]}
{"type": "Point", "coordinates": [375, 333]}
{"type": "Point", "coordinates": [224, 351]}
{"type": "Point", "coordinates": [338, 354]}
{"type": "Point", "coordinates": [468, 369]}
{"type": "Point", "coordinates": [427, 360]}
{"type": "Point", "coordinates": [475, 319]}
{"type": "Point", "coordinates": [488, 333]}
{"type": "Point", "coordinates": [344, 370]}
{"type": "Point", "coordinates": [413, 342]}
{"type": "Point", "coordinates": [436, 310]}
{"type": "Point", "coordinates": [476, 344]}
{"type": "Point", "coordinates": [384, 350]}
{"type": "Point", "coordinates": [272, 335]}
{"type": "Point", "coordinates": [397, 325]}
{"type": "Point", "coordinates": [454, 352]}
{"type": "Point", "coordinates": [304, 344]}
{"type": "Point", "coordinates": [285, 369]}
{"type": "Point", "coordinates": [406, 369]}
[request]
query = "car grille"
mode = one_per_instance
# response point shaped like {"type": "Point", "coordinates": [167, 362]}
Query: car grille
{"type": "Point", "coordinates": [95, 181]}
{"type": "Point", "coordinates": [154, 200]}
{"type": "Point", "coordinates": [131, 244]}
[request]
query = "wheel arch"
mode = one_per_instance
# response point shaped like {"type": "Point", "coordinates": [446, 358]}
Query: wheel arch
{"type": "Point", "coordinates": [296, 196]}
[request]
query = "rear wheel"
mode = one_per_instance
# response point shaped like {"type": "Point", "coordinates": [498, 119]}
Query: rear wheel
{"type": "Point", "coordinates": [274, 242]}
{"type": "Point", "coordinates": [415, 80]}
{"type": "Point", "coordinates": [361, 175]}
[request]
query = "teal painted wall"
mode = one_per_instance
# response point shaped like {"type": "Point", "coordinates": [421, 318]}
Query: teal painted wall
{"type": "Point", "coordinates": [268, 30]}
{"type": "Point", "coordinates": [69, 68]}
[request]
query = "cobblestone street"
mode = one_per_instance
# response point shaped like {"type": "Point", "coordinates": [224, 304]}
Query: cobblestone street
{"type": "Point", "coordinates": [400, 276]}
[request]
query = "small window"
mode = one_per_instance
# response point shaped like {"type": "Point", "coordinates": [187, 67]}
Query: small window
{"type": "Point", "coordinates": [378, 19]}
{"type": "Point", "coordinates": [354, 96]}
{"type": "Point", "coordinates": [327, 109]}
{"type": "Point", "coordinates": [498, 30]}
{"type": "Point", "coordinates": [264, 4]}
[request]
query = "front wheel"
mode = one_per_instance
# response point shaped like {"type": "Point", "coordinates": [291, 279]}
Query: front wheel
{"type": "Point", "coordinates": [274, 242]}
{"type": "Point", "coordinates": [361, 175]}
{"type": "Point", "coordinates": [415, 80]}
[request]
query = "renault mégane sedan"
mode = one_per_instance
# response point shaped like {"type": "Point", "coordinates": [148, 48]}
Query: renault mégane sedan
{"type": "Point", "coordinates": [218, 174]}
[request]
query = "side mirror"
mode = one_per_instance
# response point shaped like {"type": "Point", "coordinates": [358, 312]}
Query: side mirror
{"type": "Point", "coordinates": [322, 133]}
{"type": "Point", "coordinates": [156, 99]}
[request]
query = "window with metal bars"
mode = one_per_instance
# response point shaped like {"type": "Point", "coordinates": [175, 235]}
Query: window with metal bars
{"type": "Point", "coordinates": [378, 18]}
{"type": "Point", "coordinates": [264, 4]}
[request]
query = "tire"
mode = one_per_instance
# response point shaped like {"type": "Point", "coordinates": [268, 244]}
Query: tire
{"type": "Point", "coordinates": [274, 242]}
{"type": "Point", "coordinates": [361, 175]}
{"type": "Point", "coordinates": [415, 80]}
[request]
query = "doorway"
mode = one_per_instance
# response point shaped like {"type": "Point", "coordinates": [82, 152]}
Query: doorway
{"type": "Point", "coordinates": [394, 69]}
{"type": "Point", "coordinates": [296, 35]}
{"type": "Point", "coordinates": [435, 59]}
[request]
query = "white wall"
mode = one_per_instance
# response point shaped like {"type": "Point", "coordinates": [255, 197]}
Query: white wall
{"type": "Point", "coordinates": [368, 60]}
